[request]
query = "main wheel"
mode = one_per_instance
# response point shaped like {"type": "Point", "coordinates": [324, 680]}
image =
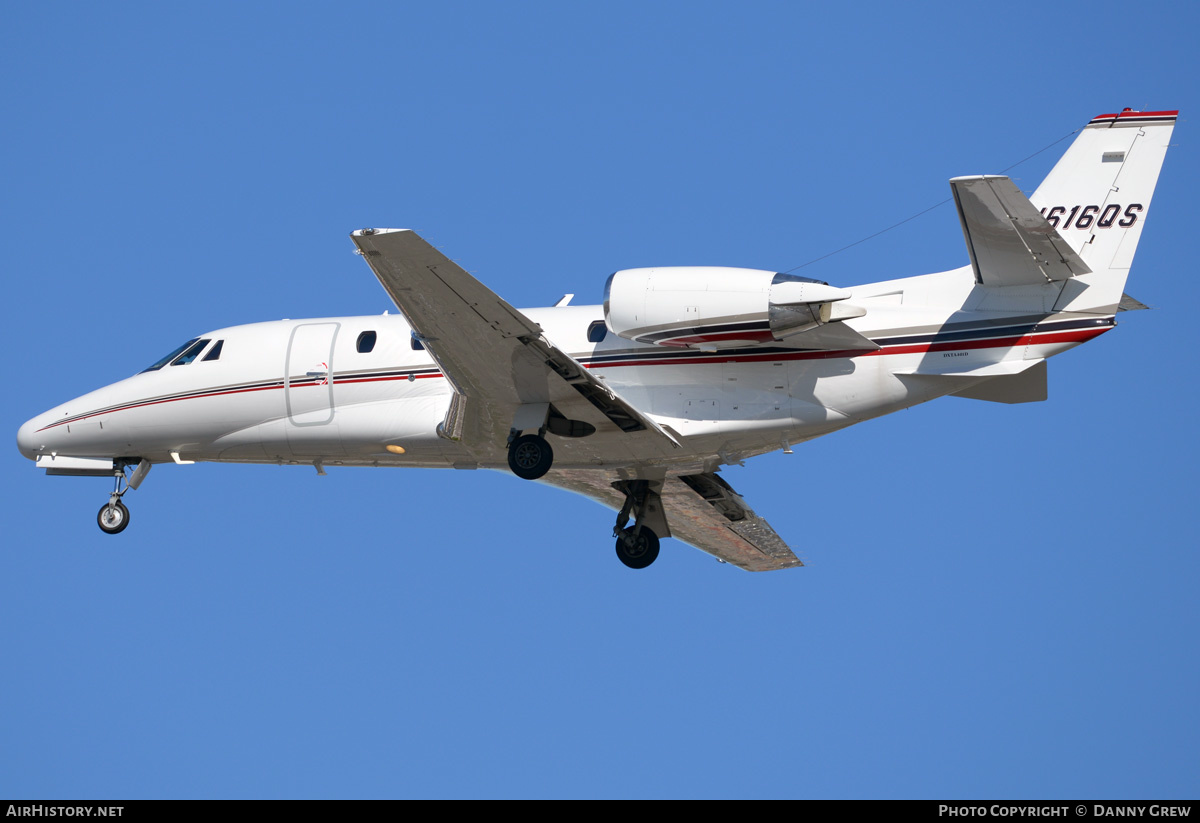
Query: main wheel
{"type": "Point", "coordinates": [113, 519]}
{"type": "Point", "coordinates": [637, 552]}
{"type": "Point", "coordinates": [530, 457]}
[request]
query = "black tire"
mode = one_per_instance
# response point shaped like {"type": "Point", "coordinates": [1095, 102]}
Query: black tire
{"type": "Point", "coordinates": [530, 457]}
{"type": "Point", "coordinates": [639, 552]}
{"type": "Point", "coordinates": [113, 519]}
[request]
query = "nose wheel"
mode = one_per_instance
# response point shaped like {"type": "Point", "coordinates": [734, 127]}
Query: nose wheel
{"type": "Point", "coordinates": [113, 518]}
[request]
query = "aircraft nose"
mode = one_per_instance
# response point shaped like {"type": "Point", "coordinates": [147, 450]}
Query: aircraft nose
{"type": "Point", "coordinates": [27, 439]}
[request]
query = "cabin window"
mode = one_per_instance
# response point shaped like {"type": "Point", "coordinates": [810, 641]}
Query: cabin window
{"type": "Point", "coordinates": [190, 354]}
{"type": "Point", "coordinates": [417, 345]}
{"type": "Point", "coordinates": [159, 364]}
{"type": "Point", "coordinates": [215, 354]}
{"type": "Point", "coordinates": [597, 331]}
{"type": "Point", "coordinates": [366, 342]}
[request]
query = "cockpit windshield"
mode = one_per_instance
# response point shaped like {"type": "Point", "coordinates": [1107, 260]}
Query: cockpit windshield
{"type": "Point", "coordinates": [190, 354]}
{"type": "Point", "coordinates": [160, 363]}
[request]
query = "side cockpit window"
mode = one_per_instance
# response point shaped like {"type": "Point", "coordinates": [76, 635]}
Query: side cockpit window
{"type": "Point", "coordinates": [190, 353]}
{"type": "Point", "coordinates": [159, 364]}
{"type": "Point", "coordinates": [366, 342]}
{"type": "Point", "coordinates": [215, 354]}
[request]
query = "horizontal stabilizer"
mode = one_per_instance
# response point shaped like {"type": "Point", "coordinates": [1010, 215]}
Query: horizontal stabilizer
{"type": "Point", "coordinates": [1010, 242]}
{"type": "Point", "coordinates": [1027, 387]}
{"type": "Point", "coordinates": [1130, 304]}
{"type": "Point", "coordinates": [1010, 381]}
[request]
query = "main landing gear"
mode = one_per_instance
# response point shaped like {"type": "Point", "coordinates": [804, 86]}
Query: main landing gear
{"type": "Point", "coordinates": [113, 516]}
{"type": "Point", "coordinates": [637, 545]}
{"type": "Point", "coordinates": [530, 456]}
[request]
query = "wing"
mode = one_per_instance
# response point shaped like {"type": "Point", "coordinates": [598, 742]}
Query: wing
{"type": "Point", "coordinates": [1010, 242]}
{"type": "Point", "coordinates": [499, 362]}
{"type": "Point", "coordinates": [703, 512]}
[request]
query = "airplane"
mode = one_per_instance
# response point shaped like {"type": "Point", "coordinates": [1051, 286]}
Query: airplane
{"type": "Point", "coordinates": [639, 403]}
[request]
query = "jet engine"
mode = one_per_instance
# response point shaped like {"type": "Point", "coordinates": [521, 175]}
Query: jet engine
{"type": "Point", "coordinates": [711, 307]}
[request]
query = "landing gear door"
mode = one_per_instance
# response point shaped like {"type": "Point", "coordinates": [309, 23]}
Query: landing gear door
{"type": "Point", "coordinates": [308, 376]}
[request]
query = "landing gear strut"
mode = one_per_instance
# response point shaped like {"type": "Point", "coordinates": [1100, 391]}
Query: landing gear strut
{"type": "Point", "coordinates": [113, 516]}
{"type": "Point", "coordinates": [637, 545]}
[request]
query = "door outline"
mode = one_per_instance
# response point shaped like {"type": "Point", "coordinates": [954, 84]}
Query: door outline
{"type": "Point", "coordinates": [334, 328]}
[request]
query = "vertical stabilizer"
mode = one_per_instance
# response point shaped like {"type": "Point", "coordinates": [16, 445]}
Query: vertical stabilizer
{"type": "Point", "coordinates": [1098, 196]}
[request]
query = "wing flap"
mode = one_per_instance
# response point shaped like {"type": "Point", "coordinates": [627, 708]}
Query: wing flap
{"type": "Point", "coordinates": [1010, 242]}
{"type": "Point", "coordinates": [703, 511]}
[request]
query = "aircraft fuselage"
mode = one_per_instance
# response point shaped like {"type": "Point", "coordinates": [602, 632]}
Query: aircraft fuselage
{"type": "Point", "coordinates": [301, 391]}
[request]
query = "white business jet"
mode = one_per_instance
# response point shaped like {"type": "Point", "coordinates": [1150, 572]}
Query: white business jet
{"type": "Point", "coordinates": [639, 403]}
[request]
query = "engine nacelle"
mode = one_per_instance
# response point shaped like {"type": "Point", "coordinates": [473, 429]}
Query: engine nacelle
{"type": "Point", "coordinates": [713, 307]}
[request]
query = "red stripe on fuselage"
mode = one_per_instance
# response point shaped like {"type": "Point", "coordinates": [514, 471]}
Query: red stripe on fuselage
{"type": "Point", "coordinates": [918, 348]}
{"type": "Point", "coordinates": [146, 403]}
{"type": "Point", "coordinates": [1034, 338]}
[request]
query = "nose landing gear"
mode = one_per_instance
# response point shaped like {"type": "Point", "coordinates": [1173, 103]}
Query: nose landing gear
{"type": "Point", "coordinates": [113, 516]}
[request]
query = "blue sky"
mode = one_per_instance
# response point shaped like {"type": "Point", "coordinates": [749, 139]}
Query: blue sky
{"type": "Point", "coordinates": [1000, 601]}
